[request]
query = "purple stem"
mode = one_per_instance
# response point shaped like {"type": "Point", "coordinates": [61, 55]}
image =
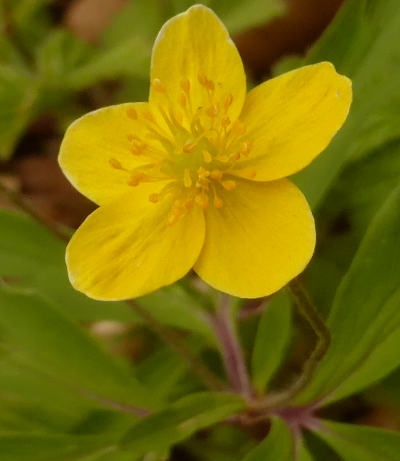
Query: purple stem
{"type": "Point", "coordinates": [231, 349]}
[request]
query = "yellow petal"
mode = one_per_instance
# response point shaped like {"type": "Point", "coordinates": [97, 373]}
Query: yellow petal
{"type": "Point", "coordinates": [292, 118]}
{"type": "Point", "coordinates": [260, 239]}
{"type": "Point", "coordinates": [127, 248]}
{"type": "Point", "coordinates": [97, 144]}
{"type": "Point", "coordinates": [191, 47]}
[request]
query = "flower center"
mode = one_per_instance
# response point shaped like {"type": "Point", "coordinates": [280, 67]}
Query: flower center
{"type": "Point", "coordinates": [193, 148]}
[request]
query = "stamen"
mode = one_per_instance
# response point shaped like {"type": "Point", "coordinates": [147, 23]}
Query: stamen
{"type": "Point", "coordinates": [135, 179]}
{"type": "Point", "coordinates": [245, 148]}
{"type": "Point", "coordinates": [228, 185]}
{"type": "Point", "coordinates": [212, 111]}
{"type": "Point", "coordinates": [187, 179]}
{"type": "Point", "coordinates": [207, 157]}
{"type": "Point", "coordinates": [225, 122]}
{"type": "Point", "coordinates": [154, 198]}
{"type": "Point", "coordinates": [203, 173]}
{"type": "Point", "coordinates": [216, 174]}
{"type": "Point", "coordinates": [158, 86]}
{"type": "Point", "coordinates": [182, 100]}
{"type": "Point", "coordinates": [131, 112]}
{"type": "Point", "coordinates": [202, 200]}
{"type": "Point", "coordinates": [148, 115]}
{"type": "Point", "coordinates": [218, 203]}
{"type": "Point", "coordinates": [116, 164]}
{"type": "Point", "coordinates": [239, 128]}
{"type": "Point", "coordinates": [228, 100]}
{"type": "Point", "coordinates": [185, 85]}
{"type": "Point", "coordinates": [189, 147]}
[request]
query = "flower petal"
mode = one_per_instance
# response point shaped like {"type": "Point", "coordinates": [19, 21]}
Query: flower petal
{"type": "Point", "coordinates": [262, 238]}
{"type": "Point", "coordinates": [194, 45]}
{"type": "Point", "coordinates": [292, 118]}
{"type": "Point", "coordinates": [95, 140]}
{"type": "Point", "coordinates": [126, 249]}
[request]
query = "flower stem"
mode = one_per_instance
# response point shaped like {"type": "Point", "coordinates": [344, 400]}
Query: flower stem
{"type": "Point", "coordinates": [21, 204]}
{"type": "Point", "coordinates": [231, 349]}
{"type": "Point", "coordinates": [170, 338]}
{"type": "Point", "coordinates": [310, 314]}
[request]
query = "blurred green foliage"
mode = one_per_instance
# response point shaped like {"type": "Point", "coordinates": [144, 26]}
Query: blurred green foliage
{"type": "Point", "coordinates": [64, 396]}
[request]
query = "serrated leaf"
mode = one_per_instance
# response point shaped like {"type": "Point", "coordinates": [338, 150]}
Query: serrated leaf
{"type": "Point", "coordinates": [278, 445]}
{"type": "Point", "coordinates": [362, 42]}
{"type": "Point", "coordinates": [361, 443]}
{"type": "Point", "coordinates": [45, 339]}
{"type": "Point", "coordinates": [272, 339]}
{"type": "Point", "coordinates": [179, 421]}
{"type": "Point", "coordinates": [366, 305]}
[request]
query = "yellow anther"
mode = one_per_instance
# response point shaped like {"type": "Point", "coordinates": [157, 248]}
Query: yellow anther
{"type": "Point", "coordinates": [216, 174]}
{"type": "Point", "coordinates": [249, 173]}
{"type": "Point", "coordinates": [137, 147]}
{"type": "Point", "coordinates": [228, 100]}
{"type": "Point", "coordinates": [207, 157]}
{"type": "Point", "coordinates": [189, 147]}
{"type": "Point", "coordinates": [187, 179]}
{"type": "Point", "coordinates": [239, 128]}
{"type": "Point", "coordinates": [202, 200]}
{"type": "Point", "coordinates": [189, 204]}
{"type": "Point", "coordinates": [228, 185]}
{"type": "Point", "coordinates": [182, 100]}
{"type": "Point", "coordinates": [202, 79]}
{"type": "Point", "coordinates": [203, 173]}
{"type": "Point", "coordinates": [135, 179]}
{"type": "Point", "coordinates": [185, 85]}
{"type": "Point", "coordinates": [158, 86]}
{"type": "Point", "coordinates": [218, 203]}
{"type": "Point", "coordinates": [115, 164]}
{"type": "Point", "coordinates": [225, 122]}
{"type": "Point", "coordinates": [210, 85]}
{"type": "Point", "coordinates": [235, 156]}
{"type": "Point", "coordinates": [212, 111]}
{"type": "Point", "coordinates": [245, 148]}
{"type": "Point", "coordinates": [154, 198]}
{"type": "Point", "coordinates": [178, 117]}
{"type": "Point", "coordinates": [131, 112]}
{"type": "Point", "coordinates": [173, 217]}
{"type": "Point", "coordinates": [148, 115]}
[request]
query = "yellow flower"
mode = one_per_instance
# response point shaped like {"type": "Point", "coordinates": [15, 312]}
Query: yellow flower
{"type": "Point", "coordinates": [195, 178]}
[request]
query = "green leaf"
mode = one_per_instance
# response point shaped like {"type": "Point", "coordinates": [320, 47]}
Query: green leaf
{"type": "Point", "coordinates": [362, 443]}
{"type": "Point", "coordinates": [384, 359]}
{"type": "Point", "coordinates": [362, 42]}
{"type": "Point", "coordinates": [130, 57]}
{"type": "Point", "coordinates": [23, 263]}
{"type": "Point", "coordinates": [46, 340]}
{"type": "Point", "coordinates": [179, 421]}
{"type": "Point", "coordinates": [18, 96]}
{"type": "Point", "coordinates": [304, 454]}
{"type": "Point", "coordinates": [278, 445]}
{"type": "Point", "coordinates": [37, 447]}
{"type": "Point", "coordinates": [238, 15]}
{"type": "Point", "coordinates": [175, 307]}
{"type": "Point", "coordinates": [272, 339]}
{"type": "Point", "coordinates": [366, 305]}
{"type": "Point", "coordinates": [136, 18]}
